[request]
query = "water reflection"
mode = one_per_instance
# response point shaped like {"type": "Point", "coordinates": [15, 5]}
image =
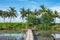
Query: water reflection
{"type": "Point", "coordinates": [56, 35]}
{"type": "Point", "coordinates": [16, 36]}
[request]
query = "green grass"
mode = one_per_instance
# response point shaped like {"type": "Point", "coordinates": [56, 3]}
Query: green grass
{"type": "Point", "coordinates": [19, 26]}
{"type": "Point", "coordinates": [12, 26]}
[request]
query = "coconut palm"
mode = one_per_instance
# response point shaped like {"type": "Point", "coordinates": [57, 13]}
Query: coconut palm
{"type": "Point", "coordinates": [23, 13]}
{"type": "Point", "coordinates": [49, 18]}
{"type": "Point", "coordinates": [1, 16]}
{"type": "Point", "coordinates": [35, 12]}
{"type": "Point", "coordinates": [12, 13]}
{"type": "Point", "coordinates": [48, 14]}
{"type": "Point", "coordinates": [28, 12]}
{"type": "Point", "coordinates": [55, 15]}
{"type": "Point", "coordinates": [42, 11]}
{"type": "Point", "coordinates": [4, 15]}
{"type": "Point", "coordinates": [46, 17]}
{"type": "Point", "coordinates": [1, 13]}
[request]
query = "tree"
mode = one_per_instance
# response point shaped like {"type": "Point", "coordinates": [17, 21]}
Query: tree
{"type": "Point", "coordinates": [1, 13]}
{"type": "Point", "coordinates": [42, 11]}
{"type": "Point", "coordinates": [5, 15]}
{"type": "Point", "coordinates": [32, 19]}
{"type": "Point", "coordinates": [47, 16]}
{"type": "Point", "coordinates": [12, 13]}
{"type": "Point", "coordinates": [28, 12]}
{"type": "Point", "coordinates": [23, 13]}
{"type": "Point", "coordinates": [35, 12]}
{"type": "Point", "coordinates": [37, 19]}
{"type": "Point", "coordinates": [55, 15]}
{"type": "Point", "coordinates": [47, 19]}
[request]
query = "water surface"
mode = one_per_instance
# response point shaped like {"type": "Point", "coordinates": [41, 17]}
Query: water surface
{"type": "Point", "coordinates": [17, 36]}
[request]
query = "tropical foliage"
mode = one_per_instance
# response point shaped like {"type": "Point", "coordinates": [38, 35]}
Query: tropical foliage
{"type": "Point", "coordinates": [42, 19]}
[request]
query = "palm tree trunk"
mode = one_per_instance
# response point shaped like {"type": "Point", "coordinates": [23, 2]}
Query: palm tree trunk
{"type": "Point", "coordinates": [10, 19]}
{"type": "Point", "coordinates": [46, 27]}
{"type": "Point", "coordinates": [10, 23]}
{"type": "Point", "coordinates": [4, 20]}
{"type": "Point", "coordinates": [22, 22]}
{"type": "Point", "coordinates": [43, 28]}
{"type": "Point", "coordinates": [28, 21]}
{"type": "Point", "coordinates": [55, 20]}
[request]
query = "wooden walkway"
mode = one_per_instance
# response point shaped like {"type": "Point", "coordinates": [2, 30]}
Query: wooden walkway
{"type": "Point", "coordinates": [29, 35]}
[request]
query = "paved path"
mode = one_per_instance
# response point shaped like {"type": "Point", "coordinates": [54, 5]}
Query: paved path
{"type": "Point", "coordinates": [29, 35]}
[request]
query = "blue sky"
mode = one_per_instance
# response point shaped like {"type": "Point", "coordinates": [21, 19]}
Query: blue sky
{"type": "Point", "coordinates": [32, 4]}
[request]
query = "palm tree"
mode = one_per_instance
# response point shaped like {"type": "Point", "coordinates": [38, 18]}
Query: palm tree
{"type": "Point", "coordinates": [23, 13]}
{"type": "Point", "coordinates": [42, 11]}
{"type": "Point", "coordinates": [28, 12]}
{"type": "Point", "coordinates": [1, 13]}
{"type": "Point", "coordinates": [55, 15]}
{"type": "Point", "coordinates": [49, 18]}
{"type": "Point", "coordinates": [1, 16]}
{"type": "Point", "coordinates": [4, 15]}
{"type": "Point", "coordinates": [35, 12]}
{"type": "Point", "coordinates": [12, 13]}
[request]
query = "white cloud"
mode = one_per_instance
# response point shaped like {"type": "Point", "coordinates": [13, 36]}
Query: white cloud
{"type": "Point", "coordinates": [18, 19]}
{"type": "Point", "coordinates": [57, 20]}
{"type": "Point", "coordinates": [56, 8]}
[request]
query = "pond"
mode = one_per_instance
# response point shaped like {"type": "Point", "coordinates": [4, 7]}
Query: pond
{"type": "Point", "coordinates": [12, 36]}
{"type": "Point", "coordinates": [56, 35]}
{"type": "Point", "coordinates": [20, 36]}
